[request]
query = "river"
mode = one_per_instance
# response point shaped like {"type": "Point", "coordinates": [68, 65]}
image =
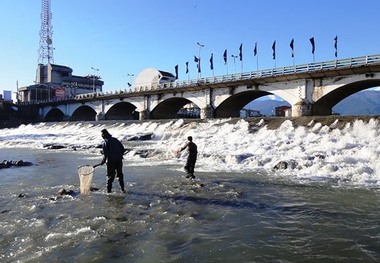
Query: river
{"type": "Point", "coordinates": [323, 208]}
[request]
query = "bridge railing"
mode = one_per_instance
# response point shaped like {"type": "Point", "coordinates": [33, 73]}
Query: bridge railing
{"type": "Point", "coordinates": [289, 70]}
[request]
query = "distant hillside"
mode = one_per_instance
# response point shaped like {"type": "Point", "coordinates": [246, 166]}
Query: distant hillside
{"type": "Point", "coordinates": [362, 103]}
{"type": "Point", "coordinates": [266, 107]}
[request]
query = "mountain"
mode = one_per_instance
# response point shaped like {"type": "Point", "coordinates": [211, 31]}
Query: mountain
{"type": "Point", "coordinates": [266, 107]}
{"type": "Point", "coordinates": [362, 103]}
{"type": "Point", "coordinates": [365, 103]}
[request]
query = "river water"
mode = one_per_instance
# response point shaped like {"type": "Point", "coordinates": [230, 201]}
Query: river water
{"type": "Point", "coordinates": [323, 208]}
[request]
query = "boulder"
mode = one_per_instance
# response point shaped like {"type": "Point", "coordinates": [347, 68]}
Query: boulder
{"type": "Point", "coordinates": [8, 164]}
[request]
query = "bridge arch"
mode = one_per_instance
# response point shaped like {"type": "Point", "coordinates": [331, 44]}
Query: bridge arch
{"type": "Point", "coordinates": [169, 108]}
{"type": "Point", "coordinates": [54, 114]}
{"type": "Point", "coordinates": [122, 111]}
{"type": "Point", "coordinates": [231, 106]}
{"type": "Point", "coordinates": [324, 105]}
{"type": "Point", "coordinates": [84, 113]}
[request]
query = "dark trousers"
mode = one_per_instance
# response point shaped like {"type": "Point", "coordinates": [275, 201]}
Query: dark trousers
{"type": "Point", "coordinates": [190, 165]}
{"type": "Point", "coordinates": [115, 169]}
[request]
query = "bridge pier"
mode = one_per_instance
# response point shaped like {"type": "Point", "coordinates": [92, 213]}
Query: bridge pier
{"type": "Point", "coordinates": [302, 108]}
{"type": "Point", "coordinates": [144, 115]}
{"type": "Point", "coordinates": [100, 116]}
{"type": "Point", "coordinates": [207, 112]}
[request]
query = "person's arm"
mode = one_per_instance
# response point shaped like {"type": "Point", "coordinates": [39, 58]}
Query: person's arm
{"type": "Point", "coordinates": [180, 150]}
{"type": "Point", "coordinates": [105, 153]}
{"type": "Point", "coordinates": [122, 149]}
{"type": "Point", "coordinates": [184, 147]}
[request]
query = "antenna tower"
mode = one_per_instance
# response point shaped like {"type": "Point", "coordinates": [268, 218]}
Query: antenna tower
{"type": "Point", "coordinates": [45, 52]}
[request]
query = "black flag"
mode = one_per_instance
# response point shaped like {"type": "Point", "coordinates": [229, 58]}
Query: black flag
{"type": "Point", "coordinates": [198, 61]}
{"type": "Point", "coordinates": [292, 47]}
{"type": "Point", "coordinates": [255, 49]}
{"type": "Point", "coordinates": [241, 52]}
{"type": "Point", "coordinates": [212, 61]}
{"type": "Point", "coordinates": [336, 46]}
{"type": "Point", "coordinates": [312, 45]}
{"type": "Point", "coordinates": [187, 67]}
{"type": "Point", "coordinates": [225, 57]}
{"type": "Point", "coordinates": [274, 49]}
{"type": "Point", "coordinates": [176, 71]}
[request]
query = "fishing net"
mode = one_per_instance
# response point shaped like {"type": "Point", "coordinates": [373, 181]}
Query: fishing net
{"type": "Point", "coordinates": [85, 173]}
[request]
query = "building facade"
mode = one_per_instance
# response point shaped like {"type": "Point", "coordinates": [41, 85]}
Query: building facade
{"type": "Point", "coordinates": [54, 82]}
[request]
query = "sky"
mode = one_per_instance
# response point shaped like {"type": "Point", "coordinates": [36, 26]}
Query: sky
{"type": "Point", "coordinates": [123, 37]}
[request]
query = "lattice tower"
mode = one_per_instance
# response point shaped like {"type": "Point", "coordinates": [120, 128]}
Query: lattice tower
{"type": "Point", "coordinates": [45, 52]}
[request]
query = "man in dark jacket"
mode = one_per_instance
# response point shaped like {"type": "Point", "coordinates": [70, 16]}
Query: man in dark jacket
{"type": "Point", "coordinates": [191, 158]}
{"type": "Point", "coordinates": [113, 152]}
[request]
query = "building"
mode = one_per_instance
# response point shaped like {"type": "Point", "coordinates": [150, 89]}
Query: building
{"type": "Point", "coordinates": [247, 113]}
{"type": "Point", "coordinates": [152, 77]}
{"type": "Point", "coordinates": [190, 110]}
{"type": "Point", "coordinates": [282, 110]}
{"type": "Point", "coordinates": [57, 82]}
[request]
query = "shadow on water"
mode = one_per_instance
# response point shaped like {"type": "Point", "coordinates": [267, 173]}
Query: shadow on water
{"type": "Point", "coordinates": [238, 204]}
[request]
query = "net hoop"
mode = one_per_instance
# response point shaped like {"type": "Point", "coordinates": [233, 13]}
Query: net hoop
{"type": "Point", "coordinates": [85, 173]}
{"type": "Point", "coordinates": [85, 170]}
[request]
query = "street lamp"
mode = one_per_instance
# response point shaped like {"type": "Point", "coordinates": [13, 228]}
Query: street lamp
{"type": "Point", "coordinates": [199, 57]}
{"type": "Point", "coordinates": [130, 79]}
{"type": "Point", "coordinates": [93, 79]}
{"type": "Point", "coordinates": [234, 62]}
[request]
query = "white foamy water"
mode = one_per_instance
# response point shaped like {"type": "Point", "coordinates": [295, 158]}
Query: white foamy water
{"type": "Point", "coordinates": [348, 156]}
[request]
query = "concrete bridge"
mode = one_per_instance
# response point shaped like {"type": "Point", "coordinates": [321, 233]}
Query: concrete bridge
{"type": "Point", "coordinates": [311, 89]}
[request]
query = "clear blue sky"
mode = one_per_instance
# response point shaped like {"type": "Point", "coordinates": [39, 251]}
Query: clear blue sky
{"type": "Point", "coordinates": [121, 37]}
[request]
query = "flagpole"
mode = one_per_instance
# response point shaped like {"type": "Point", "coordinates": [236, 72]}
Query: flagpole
{"type": "Point", "coordinates": [293, 57]}
{"type": "Point", "coordinates": [336, 50]}
{"type": "Point", "coordinates": [234, 62]}
{"type": "Point", "coordinates": [274, 52]}
{"type": "Point", "coordinates": [241, 56]}
{"type": "Point", "coordinates": [225, 60]}
{"type": "Point", "coordinates": [255, 53]}
{"type": "Point", "coordinates": [312, 47]}
{"type": "Point", "coordinates": [292, 48]}
{"type": "Point", "coordinates": [257, 62]}
{"type": "Point", "coordinates": [199, 56]}
{"type": "Point", "coordinates": [212, 63]}
{"type": "Point", "coordinates": [294, 60]}
{"type": "Point", "coordinates": [187, 71]}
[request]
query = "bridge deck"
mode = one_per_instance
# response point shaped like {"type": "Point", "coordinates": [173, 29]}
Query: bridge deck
{"type": "Point", "coordinates": [339, 67]}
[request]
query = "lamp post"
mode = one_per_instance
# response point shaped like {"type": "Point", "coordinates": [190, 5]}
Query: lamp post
{"type": "Point", "coordinates": [93, 79]}
{"type": "Point", "coordinates": [199, 57]}
{"type": "Point", "coordinates": [130, 79]}
{"type": "Point", "coordinates": [234, 62]}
